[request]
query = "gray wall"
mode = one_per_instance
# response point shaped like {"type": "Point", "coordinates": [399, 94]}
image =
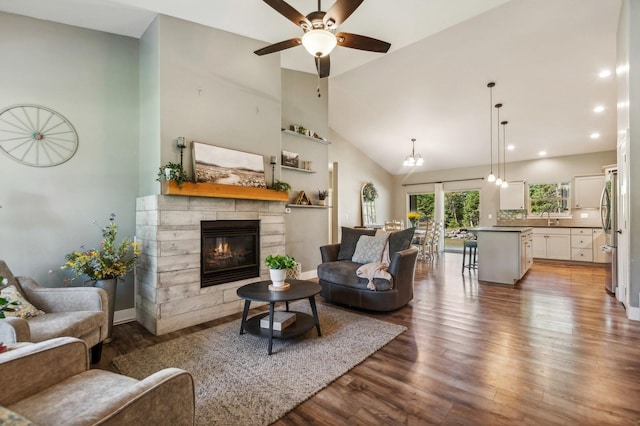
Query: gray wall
{"type": "Point", "coordinates": [91, 78]}
{"type": "Point", "coordinates": [307, 228]}
{"type": "Point", "coordinates": [214, 89]}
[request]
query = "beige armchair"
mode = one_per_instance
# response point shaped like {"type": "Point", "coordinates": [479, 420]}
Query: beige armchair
{"type": "Point", "coordinates": [51, 384]}
{"type": "Point", "coordinates": [80, 312]}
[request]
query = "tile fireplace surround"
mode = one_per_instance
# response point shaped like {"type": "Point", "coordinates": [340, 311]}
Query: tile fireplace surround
{"type": "Point", "coordinates": [168, 293]}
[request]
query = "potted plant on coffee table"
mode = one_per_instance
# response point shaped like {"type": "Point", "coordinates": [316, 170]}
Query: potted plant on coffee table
{"type": "Point", "coordinates": [278, 265]}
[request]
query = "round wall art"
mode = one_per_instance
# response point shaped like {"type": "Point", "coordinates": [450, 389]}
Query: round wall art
{"type": "Point", "coordinates": [36, 135]}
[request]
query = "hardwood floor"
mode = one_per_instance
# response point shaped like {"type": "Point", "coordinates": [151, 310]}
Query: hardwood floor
{"type": "Point", "coordinates": [555, 349]}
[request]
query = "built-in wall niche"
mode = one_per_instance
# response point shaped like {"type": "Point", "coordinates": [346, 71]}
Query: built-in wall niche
{"type": "Point", "coordinates": [302, 158]}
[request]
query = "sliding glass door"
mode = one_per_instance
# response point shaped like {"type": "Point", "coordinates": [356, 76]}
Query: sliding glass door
{"type": "Point", "coordinates": [461, 211]}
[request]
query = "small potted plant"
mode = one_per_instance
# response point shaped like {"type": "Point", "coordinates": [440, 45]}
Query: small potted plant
{"type": "Point", "coordinates": [281, 186]}
{"type": "Point", "coordinates": [322, 197]}
{"type": "Point", "coordinates": [278, 265]}
{"type": "Point", "coordinates": [173, 171]}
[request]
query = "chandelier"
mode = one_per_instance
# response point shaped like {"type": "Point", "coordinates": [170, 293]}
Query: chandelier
{"type": "Point", "coordinates": [413, 159]}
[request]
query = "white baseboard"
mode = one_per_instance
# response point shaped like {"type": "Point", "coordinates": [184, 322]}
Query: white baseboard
{"type": "Point", "coordinates": [633, 313]}
{"type": "Point", "coordinates": [309, 275]}
{"type": "Point", "coordinates": [124, 316]}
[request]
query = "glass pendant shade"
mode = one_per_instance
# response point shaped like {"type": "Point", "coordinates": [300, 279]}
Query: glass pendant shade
{"type": "Point", "coordinates": [491, 178]}
{"type": "Point", "coordinates": [319, 42]}
{"type": "Point", "coordinates": [504, 184]}
{"type": "Point", "coordinates": [499, 181]}
{"type": "Point", "coordinates": [413, 159]}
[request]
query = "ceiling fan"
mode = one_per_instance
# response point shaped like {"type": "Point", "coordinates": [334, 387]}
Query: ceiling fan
{"type": "Point", "coordinates": [320, 35]}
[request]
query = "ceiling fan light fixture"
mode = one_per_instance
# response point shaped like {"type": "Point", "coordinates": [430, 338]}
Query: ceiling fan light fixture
{"type": "Point", "coordinates": [319, 42]}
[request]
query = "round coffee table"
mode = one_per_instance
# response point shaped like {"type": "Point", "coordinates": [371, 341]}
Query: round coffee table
{"type": "Point", "coordinates": [259, 292]}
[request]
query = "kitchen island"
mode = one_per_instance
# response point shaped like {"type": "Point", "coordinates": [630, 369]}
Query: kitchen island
{"type": "Point", "coordinates": [504, 253]}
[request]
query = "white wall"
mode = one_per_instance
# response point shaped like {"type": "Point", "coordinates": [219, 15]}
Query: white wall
{"type": "Point", "coordinates": [354, 170]}
{"type": "Point", "coordinates": [629, 117]}
{"type": "Point", "coordinates": [546, 170]}
{"type": "Point", "coordinates": [91, 78]}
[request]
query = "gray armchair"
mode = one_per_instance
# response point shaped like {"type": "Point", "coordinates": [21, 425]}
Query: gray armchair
{"type": "Point", "coordinates": [80, 312]}
{"type": "Point", "coordinates": [53, 385]}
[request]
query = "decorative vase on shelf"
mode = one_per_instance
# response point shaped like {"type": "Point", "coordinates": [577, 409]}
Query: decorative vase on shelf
{"type": "Point", "coordinates": [322, 202]}
{"type": "Point", "coordinates": [110, 286]}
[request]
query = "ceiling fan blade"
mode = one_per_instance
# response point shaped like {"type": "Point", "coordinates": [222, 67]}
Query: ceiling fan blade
{"type": "Point", "coordinates": [323, 64]}
{"type": "Point", "coordinates": [289, 12]}
{"type": "Point", "coordinates": [272, 48]}
{"type": "Point", "coordinates": [340, 11]}
{"type": "Point", "coordinates": [355, 41]}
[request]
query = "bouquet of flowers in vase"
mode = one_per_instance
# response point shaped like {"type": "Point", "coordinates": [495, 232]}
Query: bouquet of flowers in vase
{"type": "Point", "coordinates": [110, 261]}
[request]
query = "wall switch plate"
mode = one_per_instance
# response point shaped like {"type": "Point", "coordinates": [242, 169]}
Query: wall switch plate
{"type": "Point", "coordinates": [584, 215]}
{"type": "Point", "coordinates": [490, 216]}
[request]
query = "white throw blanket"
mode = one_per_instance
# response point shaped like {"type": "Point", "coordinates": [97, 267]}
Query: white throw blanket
{"type": "Point", "coordinates": [373, 270]}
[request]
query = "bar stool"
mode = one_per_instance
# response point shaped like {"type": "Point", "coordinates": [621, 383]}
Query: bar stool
{"type": "Point", "coordinates": [473, 250]}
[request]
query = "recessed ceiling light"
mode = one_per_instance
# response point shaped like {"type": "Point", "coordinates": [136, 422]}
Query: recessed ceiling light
{"type": "Point", "coordinates": [511, 147]}
{"type": "Point", "coordinates": [594, 135]}
{"type": "Point", "coordinates": [598, 108]}
{"type": "Point", "coordinates": [604, 73]}
{"type": "Point", "coordinates": [542, 153]}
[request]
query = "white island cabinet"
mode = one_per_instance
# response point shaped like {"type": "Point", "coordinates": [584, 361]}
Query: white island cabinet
{"type": "Point", "coordinates": [504, 253]}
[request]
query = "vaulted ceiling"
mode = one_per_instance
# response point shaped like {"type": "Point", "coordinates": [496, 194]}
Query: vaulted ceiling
{"type": "Point", "coordinates": [545, 57]}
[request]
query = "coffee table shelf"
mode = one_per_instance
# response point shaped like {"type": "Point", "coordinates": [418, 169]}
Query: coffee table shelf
{"type": "Point", "coordinates": [303, 323]}
{"type": "Point", "coordinates": [259, 292]}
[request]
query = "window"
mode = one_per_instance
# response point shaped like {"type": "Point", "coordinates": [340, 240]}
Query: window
{"type": "Point", "coordinates": [422, 203]}
{"type": "Point", "coordinates": [549, 198]}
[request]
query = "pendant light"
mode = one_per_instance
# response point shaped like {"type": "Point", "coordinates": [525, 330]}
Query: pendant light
{"type": "Point", "coordinates": [413, 159]}
{"type": "Point", "coordinates": [499, 179]}
{"type": "Point", "coordinates": [491, 177]}
{"type": "Point", "coordinates": [504, 154]}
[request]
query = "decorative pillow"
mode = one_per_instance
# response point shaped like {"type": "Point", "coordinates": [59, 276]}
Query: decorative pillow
{"type": "Point", "coordinates": [400, 240]}
{"type": "Point", "coordinates": [369, 249]}
{"type": "Point", "coordinates": [349, 240]}
{"type": "Point", "coordinates": [11, 418]}
{"type": "Point", "coordinates": [24, 309]}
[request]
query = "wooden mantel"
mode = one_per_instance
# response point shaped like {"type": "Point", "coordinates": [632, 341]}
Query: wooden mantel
{"type": "Point", "coordinates": [214, 190]}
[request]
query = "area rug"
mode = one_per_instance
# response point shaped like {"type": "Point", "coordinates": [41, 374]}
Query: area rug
{"type": "Point", "coordinates": [237, 383]}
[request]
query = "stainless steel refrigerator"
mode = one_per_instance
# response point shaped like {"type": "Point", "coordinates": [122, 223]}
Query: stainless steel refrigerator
{"type": "Point", "coordinates": [609, 218]}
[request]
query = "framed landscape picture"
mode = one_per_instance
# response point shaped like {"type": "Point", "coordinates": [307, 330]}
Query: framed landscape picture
{"type": "Point", "coordinates": [290, 159]}
{"type": "Point", "coordinates": [227, 166]}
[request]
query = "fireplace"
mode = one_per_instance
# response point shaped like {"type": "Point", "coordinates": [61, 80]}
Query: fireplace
{"type": "Point", "coordinates": [230, 251]}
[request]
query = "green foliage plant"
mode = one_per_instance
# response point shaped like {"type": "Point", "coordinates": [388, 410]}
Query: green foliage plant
{"type": "Point", "coordinates": [369, 192]}
{"type": "Point", "coordinates": [281, 186]}
{"type": "Point", "coordinates": [280, 261]}
{"type": "Point", "coordinates": [6, 305]}
{"type": "Point", "coordinates": [110, 261]}
{"type": "Point", "coordinates": [177, 174]}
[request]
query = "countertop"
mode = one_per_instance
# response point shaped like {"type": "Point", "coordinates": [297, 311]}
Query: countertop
{"type": "Point", "coordinates": [501, 229]}
{"type": "Point", "coordinates": [549, 226]}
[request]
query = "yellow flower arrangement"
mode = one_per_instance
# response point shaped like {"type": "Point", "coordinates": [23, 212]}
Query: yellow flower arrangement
{"type": "Point", "coordinates": [414, 216]}
{"type": "Point", "coordinates": [110, 261]}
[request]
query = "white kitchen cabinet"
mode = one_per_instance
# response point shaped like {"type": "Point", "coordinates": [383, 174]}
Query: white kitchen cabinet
{"type": "Point", "coordinates": [582, 244]}
{"type": "Point", "coordinates": [526, 251]}
{"type": "Point", "coordinates": [513, 196]}
{"type": "Point", "coordinates": [552, 243]}
{"type": "Point", "coordinates": [586, 191]}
